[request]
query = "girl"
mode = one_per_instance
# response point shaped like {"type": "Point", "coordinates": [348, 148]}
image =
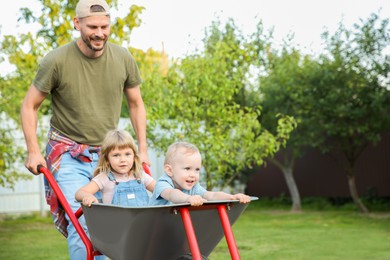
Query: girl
{"type": "Point", "coordinates": [118, 175]}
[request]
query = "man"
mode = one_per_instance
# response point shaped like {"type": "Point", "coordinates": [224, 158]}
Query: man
{"type": "Point", "coordinates": [86, 79]}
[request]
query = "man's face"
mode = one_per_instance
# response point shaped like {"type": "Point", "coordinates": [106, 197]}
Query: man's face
{"type": "Point", "coordinates": [94, 31]}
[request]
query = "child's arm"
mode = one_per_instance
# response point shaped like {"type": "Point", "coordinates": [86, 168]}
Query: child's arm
{"type": "Point", "coordinates": [151, 186]}
{"type": "Point", "coordinates": [85, 194]}
{"type": "Point", "coordinates": [177, 196]}
{"type": "Point", "coordinates": [220, 195]}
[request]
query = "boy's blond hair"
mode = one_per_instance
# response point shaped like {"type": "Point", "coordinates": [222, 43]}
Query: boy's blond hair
{"type": "Point", "coordinates": [179, 147]}
{"type": "Point", "coordinates": [118, 139]}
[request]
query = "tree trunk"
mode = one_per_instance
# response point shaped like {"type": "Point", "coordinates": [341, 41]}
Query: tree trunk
{"type": "Point", "coordinates": [352, 154]}
{"type": "Point", "coordinates": [293, 188]}
{"type": "Point", "coordinates": [354, 194]}
{"type": "Point", "coordinates": [287, 170]}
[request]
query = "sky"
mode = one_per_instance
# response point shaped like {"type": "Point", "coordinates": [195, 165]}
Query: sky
{"type": "Point", "coordinates": [178, 26]}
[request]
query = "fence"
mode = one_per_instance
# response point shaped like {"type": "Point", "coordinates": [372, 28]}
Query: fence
{"type": "Point", "coordinates": [26, 196]}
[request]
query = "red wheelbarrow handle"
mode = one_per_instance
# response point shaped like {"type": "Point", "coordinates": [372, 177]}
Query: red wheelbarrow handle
{"type": "Point", "coordinates": [72, 216]}
{"type": "Point", "coordinates": [146, 169]}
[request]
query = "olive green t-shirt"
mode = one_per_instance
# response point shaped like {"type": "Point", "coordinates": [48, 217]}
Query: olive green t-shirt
{"type": "Point", "coordinates": [86, 93]}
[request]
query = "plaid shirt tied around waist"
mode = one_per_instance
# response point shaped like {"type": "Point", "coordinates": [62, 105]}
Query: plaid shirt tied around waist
{"type": "Point", "coordinates": [57, 145]}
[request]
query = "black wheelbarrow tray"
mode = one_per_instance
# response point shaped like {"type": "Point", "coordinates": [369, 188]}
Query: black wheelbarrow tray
{"type": "Point", "coordinates": [154, 232]}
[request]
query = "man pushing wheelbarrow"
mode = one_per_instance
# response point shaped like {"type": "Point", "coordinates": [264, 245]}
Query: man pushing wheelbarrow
{"type": "Point", "coordinates": [85, 79]}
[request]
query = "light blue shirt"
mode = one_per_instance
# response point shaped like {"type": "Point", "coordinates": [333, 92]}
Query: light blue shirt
{"type": "Point", "coordinates": [165, 182]}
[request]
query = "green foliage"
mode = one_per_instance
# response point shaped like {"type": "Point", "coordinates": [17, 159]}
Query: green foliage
{"type": "Point", "coordinates": [284, 90]}
{"type": "Point", "coordinates": [152, 65]}
{"type": "Point", "coordinates": [352, 98]}
{"type": "Point", "coordinates": [339, 99]}
{"type": "Point", "coordinates": [9, 155]}
{"type": "Point", "coordinates": [239, 99]}
{"type": "Point", "coordinates": [10, 150]}
{"type": "Point", "coordinates": [123, 27]}
{"type": "Point", "coordinates": [353, 95]}
{"type": "Point", "coordinates": [202, 100]}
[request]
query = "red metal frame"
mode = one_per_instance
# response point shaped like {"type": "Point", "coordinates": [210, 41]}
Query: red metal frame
{"type": "Point", "coordinates": [91, 252]}
{"type": "Point", "coordinates": [191, 237]}
{"type": "Point", "coordinates": [184, 212]}
{"type": "Point", "coordinates": [227, 229]}
{"type": "Point", "coordinates": [146, 169]}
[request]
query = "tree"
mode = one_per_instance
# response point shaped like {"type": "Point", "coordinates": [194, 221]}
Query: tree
{"type": "Point", "coordinates": [152, 65]}
{"type": "Point", "coordinates": [352, 96]}
{"type": "Point", "coordinates": [339, 99]}
{"type": "Point", "coordinates": [198, 101]}
{"type": "Point", "coordinates": [10, 152]}
{"type": "Point", "coordinates": [283, 90]}
{"type": "Point", "coordinates": [54, 28]}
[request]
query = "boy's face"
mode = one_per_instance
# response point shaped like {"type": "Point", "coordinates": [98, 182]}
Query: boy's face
{"type": "Point", "coordinates": [185, 170]}
{"type": "Point", "coordinates": [121, 160]}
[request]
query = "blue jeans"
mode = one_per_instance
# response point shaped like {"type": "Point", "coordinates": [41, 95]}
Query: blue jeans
{"type": "Point", "coordinates": [72, 175]}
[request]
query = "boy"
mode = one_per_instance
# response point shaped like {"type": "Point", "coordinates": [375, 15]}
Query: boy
{"type": "Point", "coordinates": [180, 183]}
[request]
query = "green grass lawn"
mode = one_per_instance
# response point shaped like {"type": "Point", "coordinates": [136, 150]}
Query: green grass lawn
{"type": "Point", "coordinates": [310, 235]}
{"type": "Point", "coordinates": [260, 234]}
{"type": "Point", "coordinates": [31, 238]}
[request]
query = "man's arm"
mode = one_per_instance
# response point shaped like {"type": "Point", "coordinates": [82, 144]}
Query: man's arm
{"type": "Point", "coordinates": [29, 118]}
{"type": "Point", "coordinates": [138, 119]}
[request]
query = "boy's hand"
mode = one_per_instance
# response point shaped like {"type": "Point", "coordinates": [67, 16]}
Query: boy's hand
{"type": "Point", "coordinates": [196, 200]}
{"type": "Point", "coordinates": [242, 198]}
{"type": "Point", "coordinates": [88, 200]}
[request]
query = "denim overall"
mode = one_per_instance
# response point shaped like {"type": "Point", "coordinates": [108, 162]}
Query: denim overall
{"type": "Point", "coordinates": [131, 193]}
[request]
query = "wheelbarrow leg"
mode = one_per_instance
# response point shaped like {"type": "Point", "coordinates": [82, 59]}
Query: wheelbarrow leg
{"type": "Point", "coordinates": [227, 229]}
{"type": "Point", "coordinates": [193, 242]}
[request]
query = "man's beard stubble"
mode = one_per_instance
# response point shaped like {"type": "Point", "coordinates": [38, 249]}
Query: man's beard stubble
{"type": "Point", "coordinates": [87, 42]}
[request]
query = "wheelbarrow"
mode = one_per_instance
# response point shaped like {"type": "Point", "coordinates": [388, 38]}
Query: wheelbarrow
{"type": "Point", "coordinates": [153, 232]}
